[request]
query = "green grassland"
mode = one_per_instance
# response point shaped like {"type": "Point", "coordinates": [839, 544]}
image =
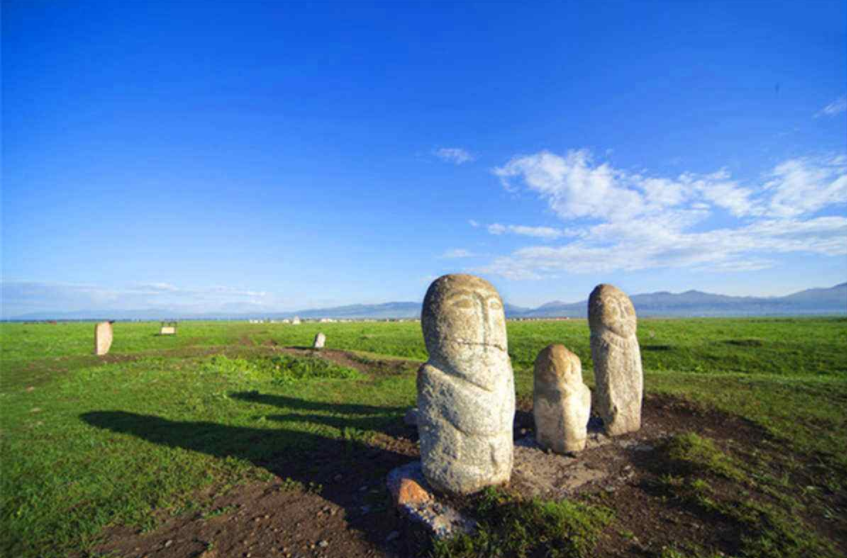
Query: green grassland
{"type": "Point", "coordinates": [88, 442]}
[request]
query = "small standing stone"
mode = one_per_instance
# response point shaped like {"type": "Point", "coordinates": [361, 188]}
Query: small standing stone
{"type": "Point", "coordinates": [561, 402]}
{"type": "Point", "coordinates": [320, 341]}
{"type": "Point", "coordinates": [296, 320]}
{"type": "Point", "coordinates": [618, 374]}
{"type": "Point", "coordinates": [102, 338]}
{"type": "Point", "coordinates": [466, 390]}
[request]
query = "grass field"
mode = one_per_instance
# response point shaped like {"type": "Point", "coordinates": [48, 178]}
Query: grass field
{"type": "Point", "coordinates": [92, 442]}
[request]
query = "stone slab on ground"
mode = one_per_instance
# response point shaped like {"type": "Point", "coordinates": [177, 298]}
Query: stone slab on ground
{"type": "Point", "coordinates": [414, 501]}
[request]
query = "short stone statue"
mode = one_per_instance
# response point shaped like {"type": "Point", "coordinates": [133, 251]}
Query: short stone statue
{"type": "Point", "coordinates": [561, 403]}
{"type": "Point", "coordinates": [466, 390]}
{"type": "Point", "coordinates": [320, 341]}
{"type": "Point", "coordinates": [617, 359]}
{"type": "Point", "coordinates": [102, 338]}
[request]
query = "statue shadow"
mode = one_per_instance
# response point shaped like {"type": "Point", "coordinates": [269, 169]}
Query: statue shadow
{"type": "Point", "coordinates": [342, 464]}
{"type": "Point", "coordinates": [292, 403]}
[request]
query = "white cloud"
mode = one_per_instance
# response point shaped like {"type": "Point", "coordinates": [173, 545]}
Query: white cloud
{"type": "Point", "coordinates": [455, 155]}
{"type": "Point", "coordinates": [834, 108]}
{"type": "Point", "coordinates": [718, 189]}
{"type": "Point", "coordinates": [573, 186]}
{"type": "Point", "coordinates": [799, 186]}
{"type": "Point", "coordinates": [630, 221]}
{"type": "Point", "coordinates": [457, 253]}
{"type": "Point", "coordinates": [653, 247]}
{"type": "Point", "coordinates": [473, 223]}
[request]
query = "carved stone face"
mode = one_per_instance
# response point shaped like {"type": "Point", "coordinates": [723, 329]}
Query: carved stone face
{"type": "Point", "coordinates": [464, 327]}
{"type": "Point", "coordinates": [556, 366]}
{"type": "Point", "coordinates": [610, 308]}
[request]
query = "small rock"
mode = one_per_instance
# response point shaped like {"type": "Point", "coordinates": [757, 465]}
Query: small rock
{"type": "Point", "coordinates": [411, 418]}
{"type": "Point", "coordinates": [391, 536]}
{"type": "Point", "coordinates": [337, 478]}
{"type": "Point", "coordinates": [168, 543]}
{"type": "Point", "coordinates": [363, 488]}
{"type": "Point", "coordinates": [644, 447]}
{"type": "Point", "coordinates": [323, 544]}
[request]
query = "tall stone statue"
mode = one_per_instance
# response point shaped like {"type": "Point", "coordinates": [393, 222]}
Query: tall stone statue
{"type": "Point", "coordinates": [561, 403]}
{"type": "Point", "coordinates": [617, 359]}
{"type": "Point", "coordinates": [102, 338]}
{"type": "Point", "coordinates": [466, 390]}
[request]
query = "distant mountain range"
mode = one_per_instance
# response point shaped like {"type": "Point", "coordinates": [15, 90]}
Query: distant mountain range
{"type": "Point", "coordinates": [825, 301]}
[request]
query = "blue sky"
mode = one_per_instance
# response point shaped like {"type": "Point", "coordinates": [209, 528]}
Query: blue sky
{"type": "Point", "coordinates": [275, 156]}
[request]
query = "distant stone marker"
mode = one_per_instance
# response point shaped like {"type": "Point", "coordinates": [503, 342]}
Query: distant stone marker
{"type": "Point", "coordinates": [320, 341]}
{"type": "Point", "coordinates": [295, 321]}
{"type": "Point", "coordinates": [561, 403]}
{"type": "Point", "coordinates": [466, 391]}
{"type": "Point", "coordinates": [102, 338]}
{"type": "Point", "coordinates": [168, 328]}
{"type": "Point", "coordinates": [618, 374]}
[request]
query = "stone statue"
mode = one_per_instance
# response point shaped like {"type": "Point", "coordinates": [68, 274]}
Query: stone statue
{"type": "Point", "coordinates": [466, 390]}
{"type": "Point", "coordinates": [320, 341]}
{"type": "Point", "coordinates": [617, 359]}
{"type": "Point", "coordinates": [561, 403]}
{"type": "Point", "coordinates": [102, 338]}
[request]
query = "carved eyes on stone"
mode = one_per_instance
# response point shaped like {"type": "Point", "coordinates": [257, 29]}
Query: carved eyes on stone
{"type": "Point", "coordinates": [463, 304]}
{"type": "Point", "coordinates": [620, 309]}
{"type": "Point", "coordinates": [467, 303]}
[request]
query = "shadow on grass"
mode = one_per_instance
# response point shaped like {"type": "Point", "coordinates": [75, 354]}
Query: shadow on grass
{"type": "Point", "coordinates": [292, 403]}
{"type": "Point", "coordinates": [303, 456]}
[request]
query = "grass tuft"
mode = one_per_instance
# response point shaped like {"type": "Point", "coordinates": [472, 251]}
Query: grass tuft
{"type": "Point", "coordinates": [509, 525]}
{"type": "Point", "coordinates": [691, 453]}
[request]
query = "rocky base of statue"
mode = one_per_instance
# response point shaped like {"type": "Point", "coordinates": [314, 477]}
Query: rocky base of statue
{"type": "Point", "coordinates": [417, 512]}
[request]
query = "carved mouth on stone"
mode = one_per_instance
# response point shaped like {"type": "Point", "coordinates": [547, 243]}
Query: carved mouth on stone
{"type": "Point", "coordinates": [479, 344]}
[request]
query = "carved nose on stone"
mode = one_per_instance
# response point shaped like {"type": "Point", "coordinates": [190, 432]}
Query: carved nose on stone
{"type": "Point", "coordinates": [486, 325]}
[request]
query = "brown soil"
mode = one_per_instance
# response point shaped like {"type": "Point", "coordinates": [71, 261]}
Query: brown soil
{"type": "Point", "coordinates": [349, 515]}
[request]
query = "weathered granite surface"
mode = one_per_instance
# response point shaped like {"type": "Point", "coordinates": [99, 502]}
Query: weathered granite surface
{"type": "Point", "coordinates": [619, 379]}
{"type": "Point", "coordinates": [561, 402]}
{"type": "Point", "coordinates": [466, 392]}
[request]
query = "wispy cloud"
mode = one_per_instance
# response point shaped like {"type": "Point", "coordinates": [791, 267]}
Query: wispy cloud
{"type": "Point", "coordinates": [457, 253]}
{"type": "Point", "coordinates": [20, 297]}
{"type": "Point", "coordinates": [834, 108]}
{"type": "Point", "coordinates": [455, 155]}
{"type": "Point", "coordinates": [473, 223]}
{"type": "Point", "coordinates": [620, 220]}
{"type": "Point", "coordinates": [548, 233]}
{"type": "Point", "coordinates": [156, 287]}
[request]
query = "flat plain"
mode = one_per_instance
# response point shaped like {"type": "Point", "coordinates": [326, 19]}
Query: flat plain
{"type": "Point", "coordinates": [234, 439]}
